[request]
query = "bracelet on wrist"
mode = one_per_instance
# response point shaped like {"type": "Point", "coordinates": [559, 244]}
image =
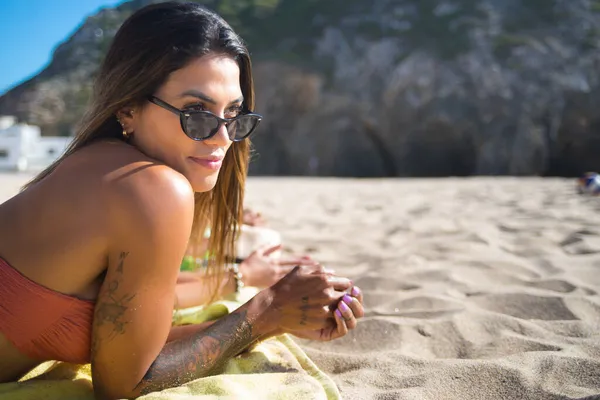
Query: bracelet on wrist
{"type": "Point", "coordinates": [237, 276]}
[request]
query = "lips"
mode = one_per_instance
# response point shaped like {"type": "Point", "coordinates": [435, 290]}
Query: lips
{"type": "Point", "coordinates": [209, 162]}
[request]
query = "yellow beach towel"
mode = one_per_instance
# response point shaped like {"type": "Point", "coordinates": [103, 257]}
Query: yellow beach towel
{"type": "Point", "coordinates": [274, 369]}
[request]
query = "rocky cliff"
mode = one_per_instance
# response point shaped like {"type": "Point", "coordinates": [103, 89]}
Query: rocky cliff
{"type": "Point", "coordinates": [387, 87]}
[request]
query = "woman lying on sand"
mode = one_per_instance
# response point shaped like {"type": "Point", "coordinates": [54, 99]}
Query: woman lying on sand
{"type": "Point", "coordinates": [91, 248]}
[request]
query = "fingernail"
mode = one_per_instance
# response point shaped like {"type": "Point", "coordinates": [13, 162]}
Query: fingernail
{"type": "Point", "coordinates": [338, 313]}
{"type": "Point", "coordinates": [343, 306]}
{"type": "Point", "coordinates": [329, 271]}
{"type": "Point", "coordinates": [355, 291]}
{"type": "Point", "coordinates": [347, 299]}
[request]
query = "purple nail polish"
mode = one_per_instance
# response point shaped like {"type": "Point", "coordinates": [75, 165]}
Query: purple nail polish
{"type": "Point", "coordinates": [343, 306]}
{"type": "Point", "coordinates": [338, 313]}
{"type": "Point", "coordinates": [347, 299]}
{"type": "Point", "coordinates": [355, 291]}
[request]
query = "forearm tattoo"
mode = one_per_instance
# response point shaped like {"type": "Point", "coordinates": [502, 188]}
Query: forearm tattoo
{"type": "Point", "coordinates": [193, 357]}
{"type": "Point", "coordinates": [182, 360]}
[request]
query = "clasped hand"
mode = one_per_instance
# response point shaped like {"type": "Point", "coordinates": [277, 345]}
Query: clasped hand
{"type": "Point", "coordinates": [315, 304]}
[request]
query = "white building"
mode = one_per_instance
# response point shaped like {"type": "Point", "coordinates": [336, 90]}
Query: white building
{"type": "Point", "coordinates": [23, 148]}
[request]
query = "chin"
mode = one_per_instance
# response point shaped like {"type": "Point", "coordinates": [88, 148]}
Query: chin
{"type": "Point", "coordinates": [203, 183]}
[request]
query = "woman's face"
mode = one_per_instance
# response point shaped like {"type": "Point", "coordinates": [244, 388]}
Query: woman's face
{"type": "Point", "coordinates": [209, 83]}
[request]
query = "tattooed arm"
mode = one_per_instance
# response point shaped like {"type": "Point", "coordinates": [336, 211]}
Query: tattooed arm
{"type": "Point", "coordinates": [202, 353]}
{"type": "Point", "coordinates": [150, 215]}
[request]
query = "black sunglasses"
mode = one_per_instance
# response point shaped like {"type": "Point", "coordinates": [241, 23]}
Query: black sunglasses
{"type": "Point", "coordinates": [202, 125]}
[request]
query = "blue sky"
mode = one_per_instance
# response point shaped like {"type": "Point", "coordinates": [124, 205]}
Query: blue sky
{"type": "Point", "coordinates": [31, 29]}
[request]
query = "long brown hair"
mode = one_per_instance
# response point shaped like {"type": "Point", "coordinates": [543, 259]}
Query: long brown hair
{"type": "Point", "coordinates": [151, 44]}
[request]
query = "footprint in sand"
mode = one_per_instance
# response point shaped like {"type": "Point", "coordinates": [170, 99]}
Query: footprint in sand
{"type": "Point", "coordinates": [581, 242]}
{"type": "Point", "coordinates": [418, 211]}
{"type": "Point", "coordinates": [555, 285]}
{"type": "Point", "coordinates": [561, 286]}
{"type": "Point", "coordinates": [547, 266]}
{"type": "Point", "coordinates": [525, 306]}
{"type": "Point", "coordinates": [508, 344]}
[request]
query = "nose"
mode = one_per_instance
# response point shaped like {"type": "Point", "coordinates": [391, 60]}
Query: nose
{"type": "Point", "coordinates": [221, 138]}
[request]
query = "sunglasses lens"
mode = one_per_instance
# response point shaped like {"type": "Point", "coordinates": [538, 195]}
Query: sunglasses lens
{"type": "Point", "coordinates": [242, 126]}
{"type": "Point", "coordinates": [200, 125]}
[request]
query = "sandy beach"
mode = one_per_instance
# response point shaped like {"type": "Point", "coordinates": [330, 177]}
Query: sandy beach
{"type": "Point", "coordinates": [477, 288]}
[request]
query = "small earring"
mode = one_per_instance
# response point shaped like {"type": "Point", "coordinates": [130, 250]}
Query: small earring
{"type": "Point", "coordinates": [126, 134]}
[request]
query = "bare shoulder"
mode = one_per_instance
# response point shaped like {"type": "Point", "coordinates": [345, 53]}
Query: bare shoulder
{"type": "Point", "coordinates": [141, 179]}
{"type": "Point", "coordinates": [148, 193]}
{"type": "Point", "coordinates": [134, 188]}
